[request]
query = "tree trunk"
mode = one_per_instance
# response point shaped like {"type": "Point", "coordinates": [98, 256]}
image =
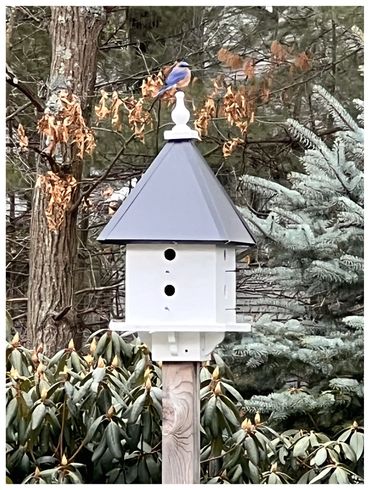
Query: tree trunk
{"type": "Point", "coordinates": [51, 316]}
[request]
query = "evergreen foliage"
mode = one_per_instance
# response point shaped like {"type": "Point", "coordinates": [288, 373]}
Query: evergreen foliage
{"type": "Point", "coordinates": [97, 419]}
{"type": "Point", "coordinates": [314, 233]}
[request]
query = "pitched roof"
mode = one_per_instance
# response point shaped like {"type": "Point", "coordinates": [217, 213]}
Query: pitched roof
{"type": "Point", "coordinates": [178, 199]}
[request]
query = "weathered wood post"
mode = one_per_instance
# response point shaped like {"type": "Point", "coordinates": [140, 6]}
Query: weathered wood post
{"type": "Point", "coordinates": [181, 417]}
{"type": "Point", "coordinates": [181, 231]}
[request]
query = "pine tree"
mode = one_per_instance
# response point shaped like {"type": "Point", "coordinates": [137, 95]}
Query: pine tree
{"type": "Point", "coordinates": [313, 234]}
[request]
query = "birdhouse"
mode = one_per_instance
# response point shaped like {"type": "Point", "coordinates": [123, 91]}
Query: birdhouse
{"type": "Point", "coordinates": [181, 232]}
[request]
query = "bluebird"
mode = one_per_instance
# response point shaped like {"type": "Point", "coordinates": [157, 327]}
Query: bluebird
{"type": "Point", "coordinates": [179, 77]}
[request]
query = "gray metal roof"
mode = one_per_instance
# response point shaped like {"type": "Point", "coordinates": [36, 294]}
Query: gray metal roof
{"type": "Point", "coordinates": [178, 199]}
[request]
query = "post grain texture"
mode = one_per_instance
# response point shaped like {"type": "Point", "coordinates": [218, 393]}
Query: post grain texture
{"type": "Point", "coordinates": [181, 423]}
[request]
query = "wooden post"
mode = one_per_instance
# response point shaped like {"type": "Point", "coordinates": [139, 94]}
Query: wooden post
{"type": "Point", "coordinates": [181, 423]}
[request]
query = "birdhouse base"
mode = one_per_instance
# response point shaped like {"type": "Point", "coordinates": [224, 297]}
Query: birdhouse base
{"type": "Point", "coordinates": [187, 343]}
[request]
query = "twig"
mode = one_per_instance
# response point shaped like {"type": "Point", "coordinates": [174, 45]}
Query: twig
{"type": "Point", "coordinates": [14, 82]}
{"type": "Point", "coordinates": [101, 288]}
{"type": "Point", "coordinates": [53, 165]}
{"type": "Point", "coordinates": [20, 109]}
{"type": "Point", "coordinates": [102, 177]}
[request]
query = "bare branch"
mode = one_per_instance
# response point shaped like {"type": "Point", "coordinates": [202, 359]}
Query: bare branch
{"type": "Point", "coordinates": [12, 80]}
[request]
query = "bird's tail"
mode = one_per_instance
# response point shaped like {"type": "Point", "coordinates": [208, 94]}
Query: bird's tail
{"type": "Point", "coordinates": [159, 95]}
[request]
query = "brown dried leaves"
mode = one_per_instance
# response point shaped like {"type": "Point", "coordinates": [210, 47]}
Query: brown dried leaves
{"type": "Point", "coordinates": [302, 61]}
{"type": "Point", "coordinates": [59, 189]}
{"type": "Point", "coordinates": [206, 113]}
{"type": "Point", "coordinates": [138, 117]}
{"type": "Point", "coordinates": [236, 62]}
{"type": "Point", "coordinates": [151, 85]}
{"type": "Point", "coordinates": [230, 146]}
{"type": "Point", "coordinates": [113, 108]}
{"type": "Point", "coordinates": [67, 126]}
{"type": "Point", "coordinates": [239, 107]}
{"type": "Point", "coordinates": [278, 52]}
{"type": "Point", "coordinates": [230, 59]}
{"type": "Point", "coordinates": [22, 138]}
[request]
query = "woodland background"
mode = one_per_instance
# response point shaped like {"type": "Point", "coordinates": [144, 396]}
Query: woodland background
{"type": "Point", "coordinates": [79, 134]}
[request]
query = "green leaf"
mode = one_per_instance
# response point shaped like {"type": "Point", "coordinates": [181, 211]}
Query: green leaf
{"type": "Point", "coordinates": [101, 345]}
{"type": "Point", "coordinates": [98, 374]}
{"type": "Point", "coordinates": [142, 472]}
{"type": "Point", "coordinates": [283, 452]}
{"type": "Point", "coordinates": [11, 411]}
{"type": "Point", "coordinates": [341, 476]}
{"type": "Point", "coordinates": [345, 435]}
{"type": "Point", "coordinates": [333, 478]}
{"type": "Point", "coordinates": [116, 344]}
{"type": "Point", "coordinates": [16, 360]}
{"type": "Point", "coordinates": [305, 478]}
{"type": "Point", "coordinates": [16, 457]}
{"type": "Point", "coordinates": [74, 477]}
{"type": "Point", "coordinates": [218, 360]}
{"type": "Point", "coordinates": [38, 415]}
{"type": "Point", "coordinates": [156, 404]}
{"type": "Point", "coordinates": [232, 391]}
{"type": "Point", "coordinates": [239, 436]}
{"type": "Point", "coordinates": [93, 428]}
{"type": "Point", "coordinates": [137, 375]}
{"type": "Point", "coordinates": [157, 392]}
{"type": "Point", "coordinates": [333, 455]}
{"type": "Point", "coordinates": [25, 463]}
{"type": "Point", "coordinates": [252, 450]}
{"type": "Point", "coordinates": [136, 409]}
{"type": "Point", "coordinates": [348, 451]}
{"type": "Point", "coordinates": [274, 479]}
{"type": "Point", "coordinates": [210, 411]}
{"type": "Point", "coordinates": [43, 460]}
{"type": "Point", "coordinates": [204, 375]}
{"type": "Point", "coordinates": [100, 449]}
{"type": "Point", "coordinates": [126, 348]}
{"type": "Point", "coordinates": [237, 474]}
{"type": "Point", "coordinates": [56, 357]}
{"type": "Point", "coordinates": [321, 456]}
{"type": "Point", "coordinates": [300, 447]}
{"type": "Point", "coordinates": [357, 443]}
{"type": "Point", "coordinates": [131, 474]}
{"type": "Point", "coordinates": [227, 412]}
{"type": "Point", "coordinates": [262, 439]}
{"type": "Point", "coordinates": [254, 472]}
{"type": "Point", "coordinates": [76, 362]}
{"type": "Point", "coordinates": [322, 474]}
{"type": "Point", "coordinates": [114, 439]}
{"type": "Point", "coordinates": [153, 468]}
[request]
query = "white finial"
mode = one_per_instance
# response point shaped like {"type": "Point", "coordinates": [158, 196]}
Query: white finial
{"type": "Point", "coordinates": [180, 116]}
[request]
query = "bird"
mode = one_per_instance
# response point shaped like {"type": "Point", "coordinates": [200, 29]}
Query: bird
{"type": "Point", "coordinates": [179, 77]}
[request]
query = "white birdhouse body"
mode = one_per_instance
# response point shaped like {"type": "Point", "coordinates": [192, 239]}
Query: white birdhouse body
{"type": "Point", "coordinates": [180, 285]}
{"type": "Point", "coordinates": [181, 230]}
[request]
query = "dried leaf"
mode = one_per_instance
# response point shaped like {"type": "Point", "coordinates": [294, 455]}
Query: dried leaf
{"type": "Point", "coordinates": [230, 146]}
{"type": "Point", "coordinates": [204, 116]}
{"type": "Point", "coordinates": [59, 190]}
{"type": "Point", "coordinates": [152, 84]}
{"type": "Point", "coordinates": [138, 117]}
{"type": "Point", "coordinates": [248, 68]}
{"type": "Point", "coordinates": [101, 110]}
{"type": "Point", "coordinates": [278, 52]}
{"type": "Point", "coordinates": [238, 106]}
{"type": "Point", "coordinates": [230, 59]}
{"type": "Point", "coordinates": [302, 61]}
{"type": "Point", "coordinates": [22, 138]}
{"type": "Point", "coordinates": [67, 126]}
{"type": "Point", "coordinates": [116, 115]}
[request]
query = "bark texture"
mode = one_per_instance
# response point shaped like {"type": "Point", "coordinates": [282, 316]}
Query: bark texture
{"type": "Point", "coordinates": [51, 318]}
